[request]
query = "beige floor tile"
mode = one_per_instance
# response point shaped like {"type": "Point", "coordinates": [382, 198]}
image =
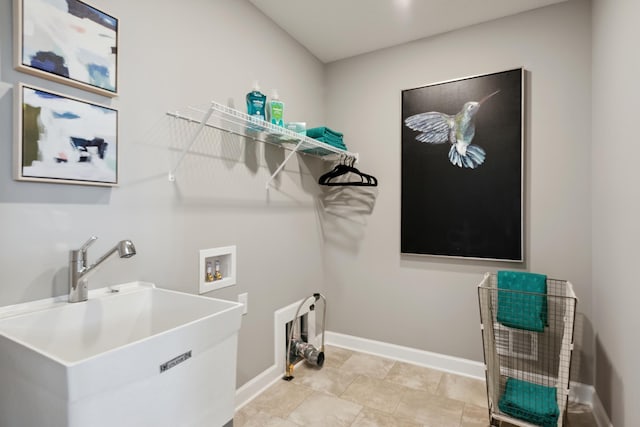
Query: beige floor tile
{"type": "Point", "coordinates": [325, 410]}
{"type": "Point", "coordinates": [455, 402]}
{"type": "Point", "coordinates": [430, 409]}
{"type": "Point", "coordinates": [579, 415]}
{"type": "Point", "coordinates": [279, 399]}
{"type": "Point", "coordinates": [334, 357]}
{"type": "Point", "coordinates": [243, 416]}
{"type": "Point", "coordinates": [374, 393]}
{"type": "Point", "coordinates": [371, 418]}
{"type": "Point", "coordinates": [327, 379]}
{"type": "Point", "coordinates": [413, 376]}
{"type": "Point", "coordinates": [468, 390]}
{"type": "Point", "coordinates": [366, 364]}
{"type": "Point", "coordinates": [474, 416]}
{"type": "Point", "coordinates": [259, 419]}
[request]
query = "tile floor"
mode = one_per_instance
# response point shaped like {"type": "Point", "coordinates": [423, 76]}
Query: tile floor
{"type": "Point", "coordinates": [361, 390]}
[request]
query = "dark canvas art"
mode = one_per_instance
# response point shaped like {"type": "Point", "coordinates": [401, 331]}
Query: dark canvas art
{"type": "Point", "coordinates": [462, 157]}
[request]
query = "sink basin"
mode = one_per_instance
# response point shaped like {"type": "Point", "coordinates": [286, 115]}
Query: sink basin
{"type": "Point", "coordinates": [132, 355]}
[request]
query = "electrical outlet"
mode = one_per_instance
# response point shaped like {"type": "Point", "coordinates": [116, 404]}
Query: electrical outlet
{"type": "Point", "coordinates": [244, 300]}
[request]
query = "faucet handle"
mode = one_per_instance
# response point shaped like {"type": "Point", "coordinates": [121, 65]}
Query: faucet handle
{"type": "Point", "coordinates": [88, 243]}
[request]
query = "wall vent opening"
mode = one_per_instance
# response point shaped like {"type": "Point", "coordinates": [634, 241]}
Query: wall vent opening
{"type": "Point", "coordinates": [516, 342]}
{"type": "Point", "coordinates": [284, 316]}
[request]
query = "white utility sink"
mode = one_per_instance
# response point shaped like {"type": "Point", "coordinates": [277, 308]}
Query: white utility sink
{"type": "Point", "coordinates": [132, 355]}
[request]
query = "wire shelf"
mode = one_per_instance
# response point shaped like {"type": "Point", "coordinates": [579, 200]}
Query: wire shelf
{"type": "Point", "coordinates": [230, 120]}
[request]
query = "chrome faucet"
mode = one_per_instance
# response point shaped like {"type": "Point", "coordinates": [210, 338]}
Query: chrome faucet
{"type": "Point", "coordinates": [79, 272]}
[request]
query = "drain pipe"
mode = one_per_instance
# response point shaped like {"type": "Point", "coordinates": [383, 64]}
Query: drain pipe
{"type": "Point", "coordinates": [300, 348]}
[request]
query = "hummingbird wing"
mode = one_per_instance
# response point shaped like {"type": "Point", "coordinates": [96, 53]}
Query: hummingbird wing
{"type": "Point", "coordinates": [435, 127]}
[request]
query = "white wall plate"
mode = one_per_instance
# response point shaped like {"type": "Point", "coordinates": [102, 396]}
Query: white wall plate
{"type": "Point", "coordinates": [226, 256]}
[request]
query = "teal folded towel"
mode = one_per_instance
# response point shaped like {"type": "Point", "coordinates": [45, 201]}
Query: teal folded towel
{"type": "Point", "coordinates": [326, 136]}
{"type": "Point", "coordinates": [323, 131]}
{"type": "Point", "coordinates": [525, 305]}
{"type": "Point", "coordinates": [530, 402]}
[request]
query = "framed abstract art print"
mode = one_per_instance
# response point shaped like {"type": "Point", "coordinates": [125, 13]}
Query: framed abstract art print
{"type": "Point", "coordinates": [67, 41]}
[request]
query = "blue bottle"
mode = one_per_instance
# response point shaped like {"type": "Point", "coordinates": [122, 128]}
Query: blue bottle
{"type": "Point", "coordinates": [256, 103]}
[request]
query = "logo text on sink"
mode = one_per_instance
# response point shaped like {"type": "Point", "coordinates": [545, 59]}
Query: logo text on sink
{"type": "Point", "coordinates": [175, 361]}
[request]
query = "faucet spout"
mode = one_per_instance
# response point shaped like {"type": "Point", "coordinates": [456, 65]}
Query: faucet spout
{"type": "Point", "coordinates": [79, 271]}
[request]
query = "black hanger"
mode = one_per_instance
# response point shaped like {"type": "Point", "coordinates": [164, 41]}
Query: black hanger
{"type": "Point", "coordinates": [364, 180]}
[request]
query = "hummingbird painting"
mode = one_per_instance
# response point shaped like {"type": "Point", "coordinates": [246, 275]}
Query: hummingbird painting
{"type": "Point", "coordinates": [458, 130]}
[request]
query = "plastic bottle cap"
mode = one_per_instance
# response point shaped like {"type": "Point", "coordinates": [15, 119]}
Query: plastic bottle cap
{"type": "Point", "coordinates": [274, 94]}
{"type": "Point", "coordinates": [256, 86]}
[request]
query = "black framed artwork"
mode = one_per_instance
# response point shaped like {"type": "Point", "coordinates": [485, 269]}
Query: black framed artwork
{"type": "Point", "coordinates": [462, 168]}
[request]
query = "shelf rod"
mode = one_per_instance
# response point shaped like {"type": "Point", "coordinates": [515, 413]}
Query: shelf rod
{"type": "Point", "coordinates": [193, 138]}
{"type": "Point", "coordinates": [294, 151]}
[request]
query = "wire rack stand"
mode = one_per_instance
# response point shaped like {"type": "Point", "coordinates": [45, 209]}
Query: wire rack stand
{"type": "Point", "coordinates": [230, 120]}
{"type": "Point", "coordinates": [530, 365]}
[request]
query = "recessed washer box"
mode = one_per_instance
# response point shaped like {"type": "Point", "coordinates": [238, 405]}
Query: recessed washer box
{"type": "Point", "coordinates": [226, 256]}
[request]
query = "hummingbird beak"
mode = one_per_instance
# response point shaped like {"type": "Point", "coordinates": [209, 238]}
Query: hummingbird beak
{"type": "Point", "coordinates": [487, 97]}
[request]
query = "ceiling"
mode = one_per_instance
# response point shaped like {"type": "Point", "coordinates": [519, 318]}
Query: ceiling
{"type": "Point", "coordinates": [337, 29]}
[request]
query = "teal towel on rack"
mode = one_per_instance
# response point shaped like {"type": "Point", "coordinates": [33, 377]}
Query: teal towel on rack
{"type": "Point", "coordinates": [522, 300]}
{"type": "Point", "coordinates": [323, 131]}
{"type": "Point", "coordinates": [327, 136]}
{"type": "Point", "coordinates": [530, 402]}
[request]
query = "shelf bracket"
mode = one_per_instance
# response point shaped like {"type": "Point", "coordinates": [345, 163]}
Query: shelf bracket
{"type": "Point", "coordinates": [192, 139]}
{"type": "Point", "coordinates": [294, 151]}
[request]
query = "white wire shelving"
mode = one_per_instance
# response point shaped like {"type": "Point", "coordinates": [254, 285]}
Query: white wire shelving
{"type": "Point", "coordinates": [232, 121]}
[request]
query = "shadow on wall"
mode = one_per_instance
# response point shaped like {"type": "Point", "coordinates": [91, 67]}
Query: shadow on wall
{"type": "Point", "coordinates": [58, 280]}
{"type": "Point", "coordinates": [609, 386]}
{"type": "Point", "coordinates": [220, 157]}
{"type": "Point", "coordinates": [274, 156]}
{"type": "Point", "coordinates": [210, 156]}
{"type": "Point", "coordinates": [210, 150]}
{"type": "Point", "coordinates": [343, 212]}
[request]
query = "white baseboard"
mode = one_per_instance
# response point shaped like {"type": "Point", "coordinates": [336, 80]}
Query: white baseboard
{"type": "Point", "coordinates": [440, 362]}
{"type": "Point", "coordinates": [252, 388]}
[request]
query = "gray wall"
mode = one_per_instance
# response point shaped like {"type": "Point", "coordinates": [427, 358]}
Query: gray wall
{"type": "Point", "coordinates": [430, 303]}
{"type": "Point", "coordinates": [174, 55]}
{"type": "Point", "coordinates": [616, 207]}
